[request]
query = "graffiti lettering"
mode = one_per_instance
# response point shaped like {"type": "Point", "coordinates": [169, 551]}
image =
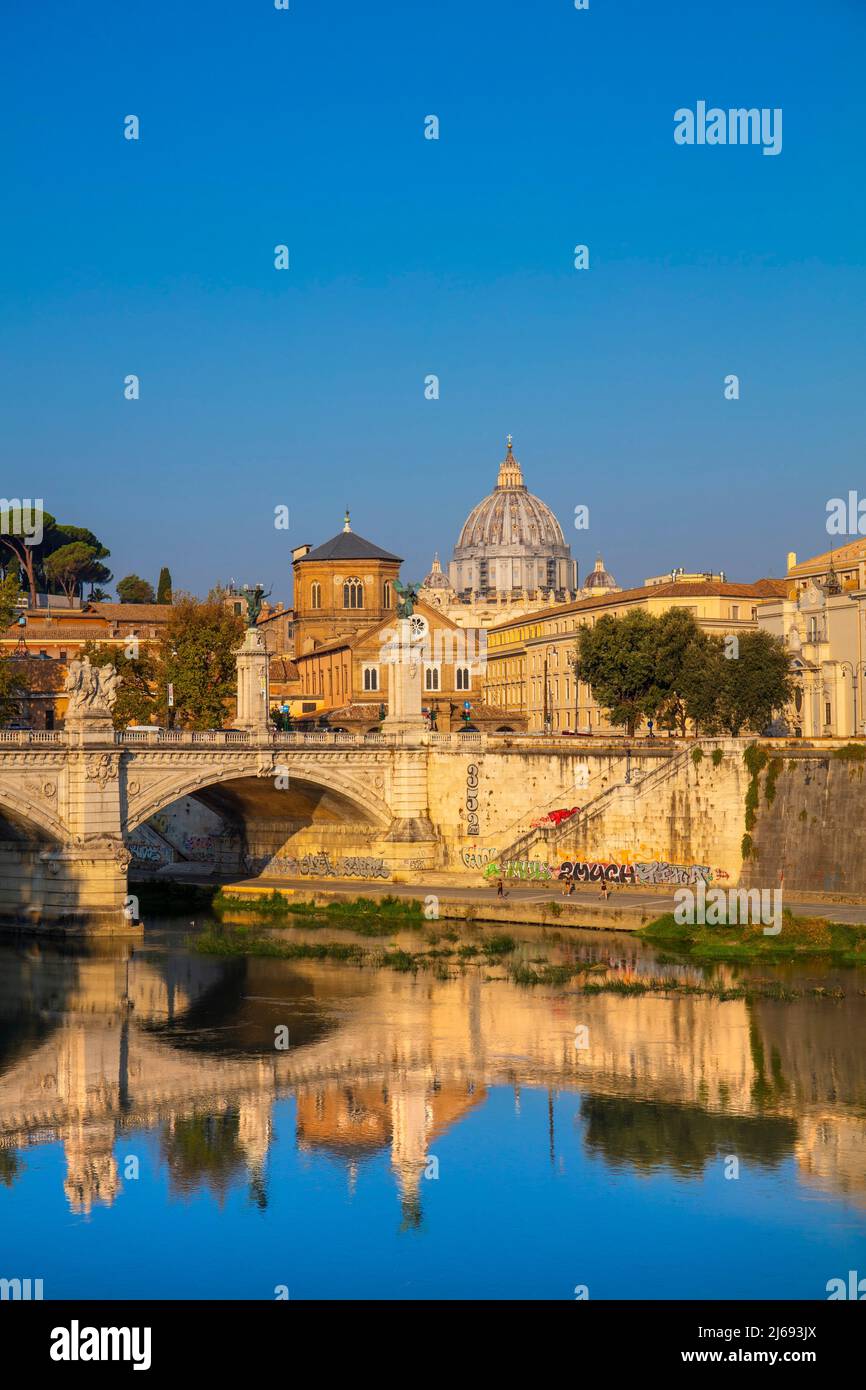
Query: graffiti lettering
{"type": "Point", "coordinates": [479, 858]}
{"type": "Point", "coordinates": [472, 800]}
{"type": "Point", "coordinates": [316, 866]}
{"type": "Point", "coordinates": [657, 872]}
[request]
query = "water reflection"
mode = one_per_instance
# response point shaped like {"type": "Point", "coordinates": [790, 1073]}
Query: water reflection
{"type": "Point", "coordinates": [97, 1043]}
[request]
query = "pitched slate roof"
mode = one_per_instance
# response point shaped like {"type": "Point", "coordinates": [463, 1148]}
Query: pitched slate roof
{"type": "Point", "coordinates": [347, 545]}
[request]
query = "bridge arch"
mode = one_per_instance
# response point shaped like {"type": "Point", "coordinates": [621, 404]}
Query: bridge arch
{"type": "Point", "coordinates": [28, 813]}
{"type": "Point", "coordinates": [353, 788]}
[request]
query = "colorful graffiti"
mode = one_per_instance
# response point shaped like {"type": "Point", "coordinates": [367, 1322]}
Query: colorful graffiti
{"type": "Point", "coordinates": [520, 868]}
{"type": "Point", "coordinates": [658, 872]}
{"type": "Point", "coordinates": [554, 818]}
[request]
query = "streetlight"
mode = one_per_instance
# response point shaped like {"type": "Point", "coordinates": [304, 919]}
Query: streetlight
{"type": "Point", "coordinates": [573, 659]}
{"type": "Point", "coordinates": [854, 667]}
{"type": "Point", "coordinates": [548, 721]}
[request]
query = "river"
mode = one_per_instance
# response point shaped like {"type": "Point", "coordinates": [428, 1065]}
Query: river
{"type": "Point", "coordinates": [177, 1126]}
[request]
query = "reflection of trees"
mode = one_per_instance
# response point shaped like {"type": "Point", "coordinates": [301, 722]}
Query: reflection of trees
{"type": "Point", "coordinates": [652, 1134]}
{"type": "Point", "coordinates": [11, 1167]}
{"type": "Point", "coordinates": [203, 1151]}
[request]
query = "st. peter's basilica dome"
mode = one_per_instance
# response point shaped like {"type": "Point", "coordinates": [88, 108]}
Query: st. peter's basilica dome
{"type": "Point", "coordinates": [512, 541]}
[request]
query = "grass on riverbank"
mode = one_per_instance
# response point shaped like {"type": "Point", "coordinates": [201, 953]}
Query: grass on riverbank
{"type": "Point", "coordinates": [364, 916]}
{"type": "Point", "coordinates": [800, 936]}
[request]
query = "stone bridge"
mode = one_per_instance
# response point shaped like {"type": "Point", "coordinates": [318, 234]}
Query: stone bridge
{"type": "Point", "coordinates": [69, 801]}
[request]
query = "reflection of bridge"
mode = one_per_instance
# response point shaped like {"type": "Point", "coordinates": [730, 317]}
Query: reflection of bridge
{"type": "Point", "coordinates": [390, 1062]}
{"type": "Point", "coordinates": [68, 800]}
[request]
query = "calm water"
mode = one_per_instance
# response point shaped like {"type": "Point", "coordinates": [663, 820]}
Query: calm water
{"type": "Point", "coordinates": [421, 1137]}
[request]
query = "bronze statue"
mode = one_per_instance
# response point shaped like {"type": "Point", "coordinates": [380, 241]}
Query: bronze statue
{"type": "Point", "coordinates": [254, 599]}
{"type": "Point", "coordinates": [407, 597]}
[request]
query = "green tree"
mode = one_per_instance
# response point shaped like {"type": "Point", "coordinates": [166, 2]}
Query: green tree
{"type": "Point", "coordinates": [69, 565]}
{"type": "Point", "coordinates": [680, 647]}
{"type": "Point", "coordinates": [133, 589]}
{"type": "Point", "coordinates": [11, 686]}
{"type": "Point", "coordinates": [197, 657]}
{"type": "Point", "coordinates": [137, 694]}
{"type": "Point", "coordinates": [740, 688]}
{"type": "Point", "coordinates": [163, 587]}
{"type": "Point", "coordinates": [618, 660]}
{"type": "Point", "coordinates": [96, 572]}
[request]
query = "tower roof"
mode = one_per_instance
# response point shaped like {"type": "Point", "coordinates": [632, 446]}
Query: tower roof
{"type": "Point", "coordinates": [347, 545]}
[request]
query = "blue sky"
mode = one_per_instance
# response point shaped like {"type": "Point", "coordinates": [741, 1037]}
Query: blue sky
{"type": "Point", "coordinates": [305, 388]}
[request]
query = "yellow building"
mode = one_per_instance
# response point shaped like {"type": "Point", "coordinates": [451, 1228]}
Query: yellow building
{"type": "Point", "coordinates": [531, 660]}
{"type": "Point", "coordinates": [341, 588]}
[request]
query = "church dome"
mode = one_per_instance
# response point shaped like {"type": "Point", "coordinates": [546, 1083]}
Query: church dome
{"type": "Point", "coordinates": [437, 578]}
{"type": "Point", "coordinates": [511, 514]}
{"type": "Point", "coordinates": [511, 542]}
{"type": "Point", "coordinates": [599, 581]}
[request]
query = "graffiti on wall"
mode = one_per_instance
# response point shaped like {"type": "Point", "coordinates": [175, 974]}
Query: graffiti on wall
{"type": "Point", "coordinates": [479, 858]}
{"type": "Point", "coordinates": [554, 818]}
{"type": "Point", "coordinates": [659, 871]}
{"type": "Point", "coordinates": [472, 800]}
{"type": "Point", "coordinates": [520, 868]}
{"type": "Point", "coordinates": [317, 866]}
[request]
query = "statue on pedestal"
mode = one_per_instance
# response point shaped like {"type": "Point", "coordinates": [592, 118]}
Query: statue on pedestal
{"type": "Point", "coordinates": [92, 690]}
{"type": "Point", "coordinates": [254, 599]}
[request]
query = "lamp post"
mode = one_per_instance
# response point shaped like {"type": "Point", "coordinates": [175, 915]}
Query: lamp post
{"type": "Point", "coordinates": [548, 718]}
{"type": "Point", "coordinates": [855, 667]}
{"type": "Point", "coordinates": [573, 659]}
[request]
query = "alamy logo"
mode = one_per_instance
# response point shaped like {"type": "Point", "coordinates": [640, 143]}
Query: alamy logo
{"type": "Point", "coordinates": [855, 1288]}
{"type": "Point", "coordinates": [22, 516]}
{"type": "Point", "coordinates": [23, 1289]}
{"type": "Point", "coordinates": [846, 519]}
{"type": "Point", "coordinates": [737, 126]}
{"type": "Point", "coordinates": [729, 907]}
{"type": "Point", "coordinates": [76, 1343]}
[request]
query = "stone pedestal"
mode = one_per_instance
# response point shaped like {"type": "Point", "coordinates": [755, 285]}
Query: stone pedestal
{"type": "Point", "coordinates": [404, 658]}
{"type": "Point", "coordinates": [253, 688]}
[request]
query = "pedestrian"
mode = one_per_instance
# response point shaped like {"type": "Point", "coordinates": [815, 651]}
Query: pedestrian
{"type": "Point", "coordinates": [500, 887]}
{"type": "Point", "coordinates": [605, 891]}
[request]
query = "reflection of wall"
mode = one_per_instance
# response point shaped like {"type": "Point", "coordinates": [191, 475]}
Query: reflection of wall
{"type": "Point", "coordinates": [402, 1060]}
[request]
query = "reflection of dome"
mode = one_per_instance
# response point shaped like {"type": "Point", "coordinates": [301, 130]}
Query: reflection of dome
{"type": "Point", "coordinates": [511, 540]}
{"type": "Point", "coordinates": [599, 580]}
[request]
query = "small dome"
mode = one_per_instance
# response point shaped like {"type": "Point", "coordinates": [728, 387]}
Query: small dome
{"type": "Point", "coordinates": [437, 578]}
{"type": "Point", "coordinates": [599, 580]}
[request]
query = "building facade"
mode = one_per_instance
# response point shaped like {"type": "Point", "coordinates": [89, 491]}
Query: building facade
{"type": "Point", "coordinates": [532, 661]}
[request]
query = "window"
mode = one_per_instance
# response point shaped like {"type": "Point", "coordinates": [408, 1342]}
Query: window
{"type": "Point", "coordinates": [827, 713]}
{"type": "Point", "coordinates": [371, 678]}
{"type": "Point", "coordinates": [353, 593]}
{"type": "Point", "coordinates": [315, 595]}
{"type": "Point", "coordinates": [735, 611]}
{"type": "Point", "coordinates": [462, 677]}
{"type": "Point", "coordinates": [386, 594]}
{"type": "Point", "coordinates": [431, 677]}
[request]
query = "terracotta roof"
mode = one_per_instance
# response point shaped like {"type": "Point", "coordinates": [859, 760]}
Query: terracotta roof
{"type": "Point", "coordinates": [843, 555]}
{"type": "Point", "coordinates": [280, 669]}
{"type": "Point", "coordinates": [141, 612]}
{"type": "Point", "coordinates": [705, 588]}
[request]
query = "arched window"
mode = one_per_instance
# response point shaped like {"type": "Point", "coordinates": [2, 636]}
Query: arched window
{"type": "Point", "coordinates": [353, 593]}
{"type": "Point", "coordinates": [371, 678]}
{"type": "Point", "coordinates": [431, 678]}
{"type": "Point", "coordinates": [462, 677]}
{"type": "Point", "coordinates": [386, 594]}
{"type": "Point", "coordinates": [315, 595]}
